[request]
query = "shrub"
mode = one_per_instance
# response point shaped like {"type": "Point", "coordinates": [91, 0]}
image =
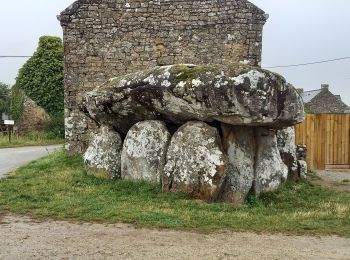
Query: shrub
{"type": "Point", "coordinates": [54, 126]}
{"type": "Point", "coordinates": [17, 105]}
{"type": "Point", "coordinates": [4, 98]}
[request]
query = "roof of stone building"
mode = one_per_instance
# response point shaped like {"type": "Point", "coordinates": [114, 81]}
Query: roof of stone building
{"type": "Point", "coordinates": [339, 97]}
{"type": "Point", "coordinates": [323, 101]}
{"type": "Point", "coordinates": [307, 96]}
{"type": "Point", "coordinates": [73, 8]}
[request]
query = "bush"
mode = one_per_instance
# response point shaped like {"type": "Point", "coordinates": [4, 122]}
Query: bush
{"type": "Point", "coordinates": [17, 103]}
{"type": "Point", "coordinates": [4, 98]}
{"type": "Point", "coordinates": [54, 126]}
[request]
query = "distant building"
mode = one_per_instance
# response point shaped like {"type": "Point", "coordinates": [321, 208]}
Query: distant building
{"type": "Point", "coordinates": [33, 117]}
{"type": "Point", "coordinates": [322, 101]}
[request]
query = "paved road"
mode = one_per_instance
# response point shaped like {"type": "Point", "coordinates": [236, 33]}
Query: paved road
{"type": "Point", "coordinates": [13, 158]}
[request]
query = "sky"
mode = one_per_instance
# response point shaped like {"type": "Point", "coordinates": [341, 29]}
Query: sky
{"type": "Point", "coordinates": [297, 31]}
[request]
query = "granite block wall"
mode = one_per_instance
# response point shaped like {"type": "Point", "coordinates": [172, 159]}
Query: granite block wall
{"type": "Point", "coordinates": [107, 38]}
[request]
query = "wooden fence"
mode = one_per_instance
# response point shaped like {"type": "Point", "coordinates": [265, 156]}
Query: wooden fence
{"type": "Point", "coordinates": [327, 138]}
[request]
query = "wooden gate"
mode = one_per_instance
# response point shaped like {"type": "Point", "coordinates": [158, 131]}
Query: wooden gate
{"type": "Point", "coordinates": [327, 138]}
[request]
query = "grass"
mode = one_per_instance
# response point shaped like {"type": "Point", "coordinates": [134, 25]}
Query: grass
{"type": "Point", "coordinates": [58, 187]}
{"type": "Point", "coordinates": [32, 139]}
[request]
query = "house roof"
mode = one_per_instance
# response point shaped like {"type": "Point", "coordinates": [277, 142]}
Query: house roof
{"type": "Point", "coordinates": [307, 96]}
{"type": "Point", "coordinates": [73, 8]}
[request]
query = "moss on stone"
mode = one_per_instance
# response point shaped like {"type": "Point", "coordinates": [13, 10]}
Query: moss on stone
{"type": "Point", "coordinates": [188, 72]}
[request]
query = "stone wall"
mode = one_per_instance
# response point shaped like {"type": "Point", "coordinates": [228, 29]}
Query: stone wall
{"type": "Point", "coordinates": [33, 118]}
{"type": "Point", "coordinates": [115, 37]}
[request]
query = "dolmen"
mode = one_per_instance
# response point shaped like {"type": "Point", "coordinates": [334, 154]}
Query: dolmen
{"type": "Point", "coordinates": [215, 132]}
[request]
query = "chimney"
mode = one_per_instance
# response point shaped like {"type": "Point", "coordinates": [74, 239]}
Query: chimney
{"type": "Point", "coordinates": [324, 87]}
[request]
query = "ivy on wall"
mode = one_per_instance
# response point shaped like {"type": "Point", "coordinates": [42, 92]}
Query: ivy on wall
{"type": "Point", "coordinates": [41, 77]}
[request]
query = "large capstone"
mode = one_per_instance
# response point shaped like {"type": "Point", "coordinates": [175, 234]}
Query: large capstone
{"type": "Point", "coordinates": [239, 144]}
{"type": "Point", "coordinates": [270, 171]}
{"type": "Point", "coordinates": [232, 94]}
{"type": "Point", "coordinates": [102, 158]}
{"type": "Point", "coordinates": [144, 151]}
{"type": "Point", "coordinates": [288, 150]}
{"type": "Point", "coordinates": [196, 162]}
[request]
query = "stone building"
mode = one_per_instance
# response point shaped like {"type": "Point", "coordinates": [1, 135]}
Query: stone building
{"type": "Point", "coordinates": [323, 101]}
{"type": "Point", "coordinates": [116, 37]}
{"type": "Point", "coordinates": [33, 118]}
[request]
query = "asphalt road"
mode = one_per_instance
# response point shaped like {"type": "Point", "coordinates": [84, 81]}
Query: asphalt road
{"type": "Point", "coordinates": [13, 158]}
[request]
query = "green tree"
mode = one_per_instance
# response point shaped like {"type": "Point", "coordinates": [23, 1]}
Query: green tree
{"type": "Point", "coordinates": [17, 103]}
{"type": "Point", "coordinates": [41, 77]}
{"type": "Point", "coordinates": [4, 98]}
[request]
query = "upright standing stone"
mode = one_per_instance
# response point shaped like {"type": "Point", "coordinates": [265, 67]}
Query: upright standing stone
{"type": "Point", "coordinates": [144, 151]}
{"type": "Point", "coordinates": [288, 150]}
{"type": "Point", "coordinates": [102, 158]}
{"type": "Point", "coordinates": [270, 171]}
{"type": "Point", "coordinates": [196, 162]}
{"type": "Point", "coordinates": [302, 163]}
{"type": "Point", "coordinates": [239, 143]}
{"type": "Point", "coordinates": [303, 169]}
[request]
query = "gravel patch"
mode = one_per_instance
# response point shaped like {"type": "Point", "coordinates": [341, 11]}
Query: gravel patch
{"type": "Point", "coordinates": [23, 238]}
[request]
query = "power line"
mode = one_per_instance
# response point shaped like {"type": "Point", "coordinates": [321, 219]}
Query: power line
{"type": "Point", "coordinates": [308, 63]}
{"type": "Point", "coordinates": [17, 56]}
{"type": "Point", "coordinates": [268, 67]}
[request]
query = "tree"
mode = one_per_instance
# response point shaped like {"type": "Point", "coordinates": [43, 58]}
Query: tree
{"type": "Point", "coordinates": [4, 98]}
{"type": "Point", "coordinates": [41, 77]}
{"type": "Point", "coordinates": [17, 103]}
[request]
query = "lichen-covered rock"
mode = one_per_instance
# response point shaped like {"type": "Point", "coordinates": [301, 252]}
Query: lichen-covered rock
{"type": "Point", "coordinates": [144, 151]}
{"type": "Point", "coordinates": [302, 166]}
{"type": "Point", "coordinates": [234, 94]}
{"type": "Point", "coordinates": [270, 171]}
{"type": "Point", "coordinates": [302, 152]}
{"type": "Point", "coordinates": [287, 148]}
{"type": "Point", "coordinates": [239, 143]}
{"type": "Point", "coordinates": [102, 158]}
{"type": "Point", "coordinates": [196, 162]}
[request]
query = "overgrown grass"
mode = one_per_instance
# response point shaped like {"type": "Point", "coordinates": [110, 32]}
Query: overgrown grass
{"type": "Point", "coordinates": [58, 187]}
{"type": "Point", "coordinates": [32, 139]}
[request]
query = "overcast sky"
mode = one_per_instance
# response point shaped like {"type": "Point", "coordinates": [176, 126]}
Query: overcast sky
{"type": "Point", "coordinates": [298, 31]}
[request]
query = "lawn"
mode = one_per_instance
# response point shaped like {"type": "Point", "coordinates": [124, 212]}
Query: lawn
{"type": "Point", "coordinates": [32, 139]}
{"type": "Point", "coordinates": [58, 187]}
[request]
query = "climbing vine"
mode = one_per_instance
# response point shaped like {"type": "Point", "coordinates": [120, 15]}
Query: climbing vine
{"type": "Point", "coordinates": [17, 103]}
{"type": "Point", "coordinates": [41, 77]}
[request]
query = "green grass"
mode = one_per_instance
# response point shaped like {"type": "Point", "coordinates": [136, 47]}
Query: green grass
{"type": "Point", "coordinates": [32, 139]}
{"type": "Point", "coordinates": [58, 187]}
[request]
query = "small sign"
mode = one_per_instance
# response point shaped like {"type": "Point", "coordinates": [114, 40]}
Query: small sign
{"type": "Point", "coordinates": [9, 122]}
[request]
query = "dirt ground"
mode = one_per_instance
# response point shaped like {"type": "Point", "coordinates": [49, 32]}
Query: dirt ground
{"type": "Point", "coordinates": [339, 180]}
{"type": "Point", "coordinates": [23, 238]}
